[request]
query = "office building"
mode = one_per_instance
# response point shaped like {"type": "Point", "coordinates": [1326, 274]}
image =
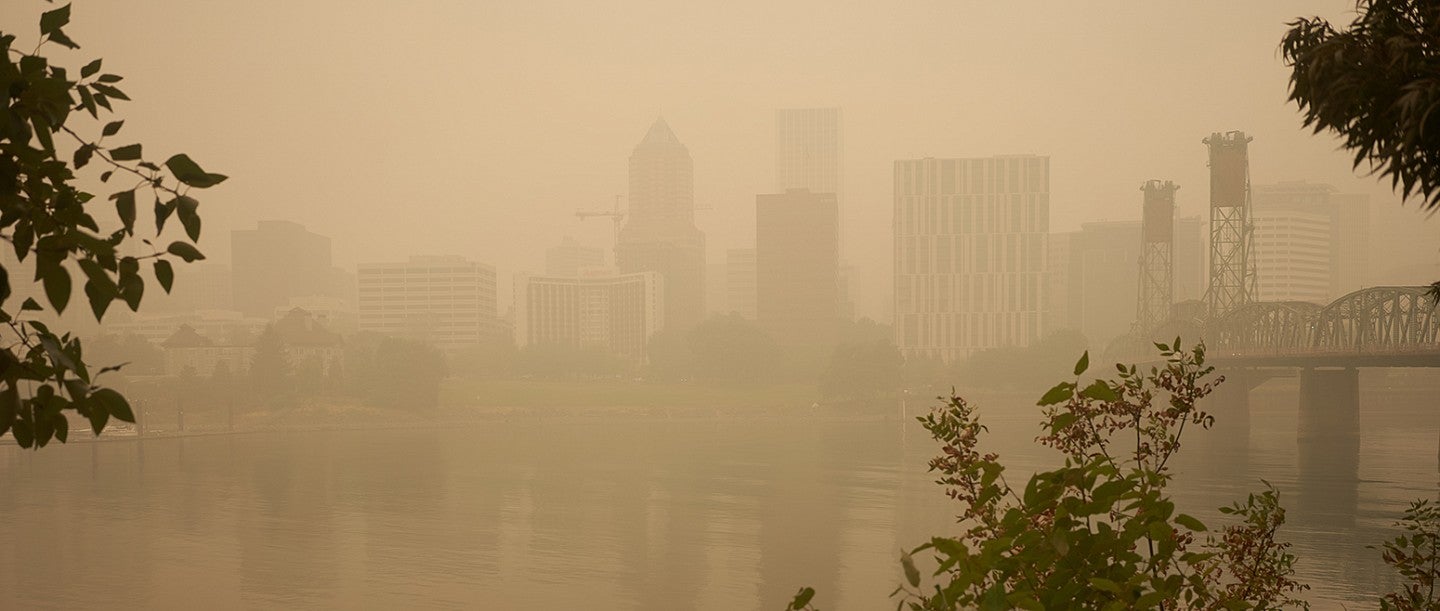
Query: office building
{"type": "Point", "coordinates": [448, 301]}
{"type": "Point", "coordinates": [797, 267]}
{"type": "Point", "coordinates": [1094, 276]}
{"type": "Point", "coordinates": [570, 257]}
{"type": "Point", "coordinates": [659, 233]}
{"type": "Point", "coordinates": [1311, 241]}
{"type": "Point", "coordinates": [970, 253]}
{"type": "Point", "coordinates": [611, 311]}
{"type": "Point", "coordinates": [740, 281]}
{"type": "Point", "coordinates": [810, 154]}
{"type": "Point", "coordinates": [278, 261]}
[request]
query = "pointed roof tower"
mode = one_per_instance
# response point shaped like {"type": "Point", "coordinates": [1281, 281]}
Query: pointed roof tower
{"type": "Point", "coordinates": [660, 133]}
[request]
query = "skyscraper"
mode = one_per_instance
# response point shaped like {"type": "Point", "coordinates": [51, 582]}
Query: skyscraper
{"type": "Point", "coordinates": [797, 266]}
{"type": "Point", "coordinates": [660, 233]}
{"type": "Point", "coordinates": [1311, 241]}
{"type": "Point", "coordinates": [969, 253]}
{"type": "Point", "coordinates": [276, 262]}
{"type": "Point", "coordinates": [740, 281]}
{"type": "Point", "coordinates": [809, 154]}
{"type": "Point", "coordinates": [809, 145]}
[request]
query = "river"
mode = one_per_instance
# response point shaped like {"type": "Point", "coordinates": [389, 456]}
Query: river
{"type": "Point", "coordinates": [625, 513]}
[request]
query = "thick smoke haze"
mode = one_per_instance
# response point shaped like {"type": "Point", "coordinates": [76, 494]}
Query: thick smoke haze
{"type": "Point", "coordinates": [479, 129]}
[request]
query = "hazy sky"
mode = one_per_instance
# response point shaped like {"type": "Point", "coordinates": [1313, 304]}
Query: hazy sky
{"type": "Point", "coordinates": [478, 128]}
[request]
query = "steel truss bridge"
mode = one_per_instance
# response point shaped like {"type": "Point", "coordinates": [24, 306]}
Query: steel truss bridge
{"type": "Point", "coordinates": [1386, 326]}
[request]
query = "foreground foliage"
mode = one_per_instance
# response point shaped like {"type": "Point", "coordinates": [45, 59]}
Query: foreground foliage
{"type": "Point", "coordinates": [1101, 532]}
{"type": "Point", "coordinates": [50, 222]}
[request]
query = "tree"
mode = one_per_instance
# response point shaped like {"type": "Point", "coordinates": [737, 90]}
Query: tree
{"type": "Point", "coordinates": [270, 368]}
{"type": "Point", "coordinates": [733, 350]}
{"type": "Point", "coordinates": [46, 217]}
{"type": "Point", "coordinates": [394, 373]}
{"type": "Point", "coordinates": [1377, 85]}
{"type": "Point", "coordinates": [862, 370]}
{"type": "Point", "coordinates": [1100, 532]}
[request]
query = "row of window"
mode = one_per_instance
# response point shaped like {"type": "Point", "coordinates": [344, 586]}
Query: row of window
{"type": "Point", "coordinates": [971, 255]}
{"type": "Point", "coordinates": [932, 215]}
{"type": "Point", "coordinates": [960, 334]}
{"type": "Point", "coordinates": [977, 293]}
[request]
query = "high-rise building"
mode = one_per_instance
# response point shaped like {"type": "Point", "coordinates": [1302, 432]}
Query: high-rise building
{"type": "Point", "coordinates": [740, 281]}
{"type": "Point", "coordinates": [614, 312]}
{"type": "Point", "coordinates": [1189, 259]}
{"type": "Point", "coordinates": [570, 257]}
{"type": "Point", "coordinates": [275, 262]}
{"type": "Point", "coordinates": [797, 266]}
{"type": "Point", "coordinates": [448, 301]}
{"type": "Point", "coordinates": [1311, 242]}
{"type": "Point", "coordinates": [970, 253]}
{"type": "Point", "coordinates": [809, 154]}
{"type": "Point", "coordinates": [1094, 276]}
{"type": "Point", "coordinates": [809, 145]}
{"type": "Point", "coordinates": [660, 234]}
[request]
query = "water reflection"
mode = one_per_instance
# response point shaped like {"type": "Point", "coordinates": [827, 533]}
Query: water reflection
{"type": "Point", "coordinates": [607, 515]}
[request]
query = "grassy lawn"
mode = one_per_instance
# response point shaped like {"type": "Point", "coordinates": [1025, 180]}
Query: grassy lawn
{"type": "Point", "coordinates": [580, 394]}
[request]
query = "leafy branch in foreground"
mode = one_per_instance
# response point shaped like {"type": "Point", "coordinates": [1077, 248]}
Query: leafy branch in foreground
{"type": "Point", "coordinates": [1416, 556]}
{"type": "Point", "coordinates": [45, 216]}
{"type": "Point", "coordinates": [1100, 532]}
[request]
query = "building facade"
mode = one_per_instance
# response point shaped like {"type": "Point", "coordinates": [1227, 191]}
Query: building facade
{"type": "Point", "coordinates": [275, 262]}
{"type": "Point", "coordinates": [797, 267]}
{"type": "Point", "coordinates": [740, 281]}
{"type": "Point", "coordinates": [659, 233]}
{"type": "Point", "coordinates": [570, 257]}
{"type": "Point", "coordinates": [448, 301]}
{"type": "Point", "coordinates": [1311, 242]}
{"type": "Point", "coordinates": [810, 154]}
{"type": "Point", "coordinates": [614, 312]}
{"type": "Point", "coordinates": [970, 256]}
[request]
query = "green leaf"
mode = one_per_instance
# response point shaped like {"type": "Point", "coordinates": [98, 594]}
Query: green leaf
{"type": "Point", "coordinates": [100, 295]}
{"type": "Point", "coordinates": [1190, 522]}
{"type": "Point", "coordinates": [24, 433]}
{"type": "Point", "coordinates": [1060, 393]}
{"type": "Point", "coordinates": [57, 288]}
{"type": "Point", "coordinates": [114, 403]}
{"type": "Point", "coordinates": [82, 155]}
{"type": "Point", "coordinates": [61, 425]}
{"type": "Point", "coordinates": [108, 90]}
{"type": "Point", "coordinates": [1100, 391]}
{"type": "Point", "coordinates": [112, 128]}
{"type": "Point", "coordinates": [52, 21]}
{"type": "Point", "coordinates": [1105, 585]}
{"type": "Point", "coordinates": [129, 152]}
{"type": "Point", "coordinates": [125, 207]}
{"type": "Point", "coordinates": [58, 36]}
{"type": "Point", "coordinates": [98, 415]}
{"type": "Point", "coordinates": [110, 78]}
{"type": "Point", "coordinates": [9, 407]}
{"type": "Point", "coordinates": [165, 274]}
{"type": "Point", "coordinates": [185, 208]}
{"type": "Point", "coordinates": [189, 172]}
{"type": "Point", "coordinates": [4, 284]}
{"type": "Point", "coordinates": [802, 598]}
{"type": "Point", "coordinates": [162, 213]}
{"type": "Point", "coordinates": [89, 69]}
{"type": "Point", "coordinates": [1082, 364]}
{"type": "Point", "coordinates": [912, 574]}
{"type": "Point", "coordinates": [185, 251]}
{"type": "Point", "coordinates": [30, 304]}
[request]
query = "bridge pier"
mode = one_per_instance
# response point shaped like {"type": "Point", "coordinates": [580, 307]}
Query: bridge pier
{"type": "Point", "coordinates": [1328, 442]}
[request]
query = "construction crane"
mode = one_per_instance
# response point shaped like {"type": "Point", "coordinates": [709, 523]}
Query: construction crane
{"type": "Point", "coordinates": [615, 215]}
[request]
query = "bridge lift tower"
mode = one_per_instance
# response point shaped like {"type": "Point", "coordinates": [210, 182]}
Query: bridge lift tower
{"type": "Point", "coordinates": [1157, 255]}
{"type": "Point", "coordinates": [1232, 267]}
